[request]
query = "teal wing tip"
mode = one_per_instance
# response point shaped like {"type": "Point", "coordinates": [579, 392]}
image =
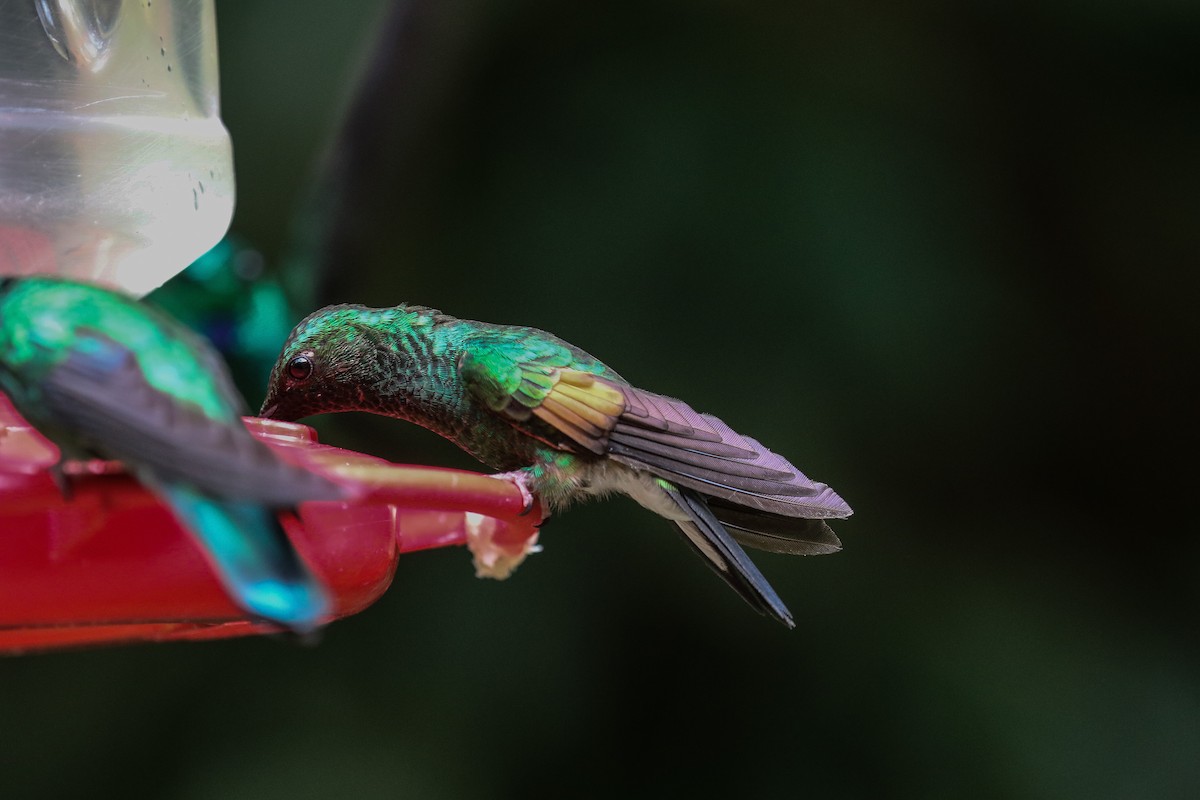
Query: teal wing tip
{"type": "Point", "coordinates": [300, 607]}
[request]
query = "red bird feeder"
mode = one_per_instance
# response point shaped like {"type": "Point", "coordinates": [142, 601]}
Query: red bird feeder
{"type": "Point", "coordinates": [106, 561]}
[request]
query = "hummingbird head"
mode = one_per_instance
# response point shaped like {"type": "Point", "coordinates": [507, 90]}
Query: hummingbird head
{"type": "Point", "coordinates": [342, 358]}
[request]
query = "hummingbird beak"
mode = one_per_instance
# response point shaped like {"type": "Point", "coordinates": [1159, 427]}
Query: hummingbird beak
{"type": "Point", "coordinates": [274, 407]}
{"type": "Point", "coordinates": [283, 409]}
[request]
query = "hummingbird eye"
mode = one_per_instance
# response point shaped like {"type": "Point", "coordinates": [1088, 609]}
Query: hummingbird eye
{"type": "Point", "coordinates": [300, 368]}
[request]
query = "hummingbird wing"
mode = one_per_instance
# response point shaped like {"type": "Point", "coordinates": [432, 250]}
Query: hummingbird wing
{"type": "Point", "coordinates": [218, 479]}
{"type": "Point", "coordinates": [100, 394]}
{"type": "Point", "coordinates": [675, 442]}
{"type": "Point", "coordinates": [210, 360]}
{"type": "Point", "coordinates": [533, 382]}
{"type": "Point", "coordinates": [536, 385]}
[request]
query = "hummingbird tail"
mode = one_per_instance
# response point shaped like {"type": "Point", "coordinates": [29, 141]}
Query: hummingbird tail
{"type": "Point", "coordinates": [253, 558]}
{"type": "Point", "coordinates": [708, 537]}
{"type": "Point", "coordinates": [775, 533]}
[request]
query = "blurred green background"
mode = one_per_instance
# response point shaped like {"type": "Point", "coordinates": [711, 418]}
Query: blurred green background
{"type": "Point", "coordinates": [941, 255]}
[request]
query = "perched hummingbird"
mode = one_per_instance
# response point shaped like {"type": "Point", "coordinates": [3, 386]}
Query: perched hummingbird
{"type": "Point", "coordinates": [564, 425]}
{"type": "Point", "coordinates": [103, 375]}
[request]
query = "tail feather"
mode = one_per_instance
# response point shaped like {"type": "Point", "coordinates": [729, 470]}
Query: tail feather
{"type": "Point", "coordinates": [253, 558]}
{"type": "Point", "coordinates": [704, 532]}
{"type": "Point", "coordinates": [776, 533]}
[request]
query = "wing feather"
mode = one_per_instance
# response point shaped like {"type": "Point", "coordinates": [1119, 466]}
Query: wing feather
{"type": "Point", "coordinates": [672, 440]}
{"type": "Point", "coordinates": [112, 407]}
{"type": "Point", "coordinates": [577, 435]}
{"type": "Point", "coordinates": [575, 414]}
{"type": "Point", "coordinates": [590, 414]}
{"type": "Point", "coordinates": [647, 431]}
{"type": "Point", "coordinates": [604, 399]}
{"type": "Point", "coordinates": [764, 500]}
{"type": "Point", "coordinates": [526, 376]}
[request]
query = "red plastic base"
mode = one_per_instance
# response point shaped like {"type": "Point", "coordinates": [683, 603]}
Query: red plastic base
{"type": "Point", "coordinates": [111, 564]}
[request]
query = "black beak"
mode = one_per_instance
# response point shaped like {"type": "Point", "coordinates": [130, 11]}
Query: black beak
{"type": "Point", "coordinates": [275, 408]}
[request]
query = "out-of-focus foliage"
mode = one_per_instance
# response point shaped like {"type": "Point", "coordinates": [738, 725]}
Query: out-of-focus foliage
{"type": "Point", "coordinates": [942, 255]}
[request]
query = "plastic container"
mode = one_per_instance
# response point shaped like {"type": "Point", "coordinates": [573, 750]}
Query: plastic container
{"type": "Point", "coordinates": [114, 164]}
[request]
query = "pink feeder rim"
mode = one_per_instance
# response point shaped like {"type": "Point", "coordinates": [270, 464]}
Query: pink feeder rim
{"type": "Point", "coordinates": [112, 565]}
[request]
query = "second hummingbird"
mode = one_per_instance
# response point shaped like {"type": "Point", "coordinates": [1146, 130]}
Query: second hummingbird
{"type": "Point", "coordinates": [103, 375]}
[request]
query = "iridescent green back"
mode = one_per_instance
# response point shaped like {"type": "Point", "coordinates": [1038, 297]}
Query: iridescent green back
{"type": "Point", "coordinates": [43, 320]}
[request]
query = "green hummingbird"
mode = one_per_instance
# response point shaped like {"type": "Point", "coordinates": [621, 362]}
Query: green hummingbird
{"type": "Point", "coordinates": [563, 426]}
{"type": "Point", "coordinates": [103, 375]}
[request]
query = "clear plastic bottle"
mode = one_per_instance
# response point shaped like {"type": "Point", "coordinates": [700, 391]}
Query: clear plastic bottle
{"type": "Point", "coordinates": [114, 164]}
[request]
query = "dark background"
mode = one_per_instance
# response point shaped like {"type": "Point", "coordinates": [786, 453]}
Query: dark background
{"type": "Point", "coordinates": [941, 255]}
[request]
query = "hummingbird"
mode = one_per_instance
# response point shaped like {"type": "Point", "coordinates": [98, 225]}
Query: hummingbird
{"type": "Point", "coordinates": [103, 375]}
{"type": "Point", "coordinates": [563, 426]}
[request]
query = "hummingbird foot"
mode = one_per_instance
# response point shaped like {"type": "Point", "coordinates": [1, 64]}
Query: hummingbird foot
{"type": "Point", "coordinates": [519, 478]}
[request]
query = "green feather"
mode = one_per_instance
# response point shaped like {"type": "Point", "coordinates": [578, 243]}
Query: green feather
{"type": "Point", "coordinates": [105, 375]}
{"type": "Point", "coordinates": [43, 318]}
{"type": "Point", "coordinates": [512, 397]}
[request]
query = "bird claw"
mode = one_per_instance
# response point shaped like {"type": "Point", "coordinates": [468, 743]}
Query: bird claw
{"type": "Point", "coordinates": [519, 478]}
